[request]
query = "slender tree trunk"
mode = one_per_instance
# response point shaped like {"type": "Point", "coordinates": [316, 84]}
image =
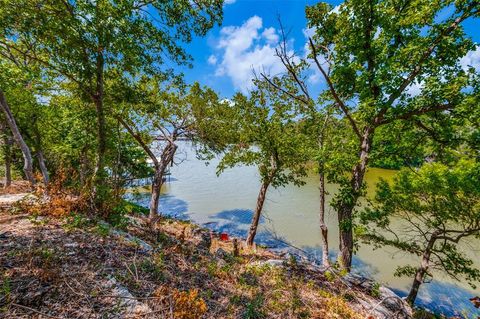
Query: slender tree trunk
{"type": "Point", "coordinates": [160, 168]}
{"type": "Point", "coordinates": [8, 163]}
{"type": "Point", "coordinates": [40, 157]}
{"type": "Point", "coordinates": [43, 167]}
{"type": "Point", "coordinates": [17, 136]}
{"type": "Point", "coordinates": [349, 201]}
{"type": "Point", "coordinates": [323, 225]}
{"type": "Point", "coordinates": [258, 209]}
{"type": "Point", "coordinates": [421, 271]}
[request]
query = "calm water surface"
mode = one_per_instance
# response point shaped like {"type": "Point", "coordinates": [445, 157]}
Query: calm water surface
{"type": "Point", "coordinates": [225, 203]}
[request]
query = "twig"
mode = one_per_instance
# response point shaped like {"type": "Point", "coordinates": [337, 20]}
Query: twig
{"type": "Point", "coordinates": [34, 310]}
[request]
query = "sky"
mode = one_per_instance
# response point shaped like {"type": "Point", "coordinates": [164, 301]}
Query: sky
{"type": "Point", "coordinates": [246, 40]}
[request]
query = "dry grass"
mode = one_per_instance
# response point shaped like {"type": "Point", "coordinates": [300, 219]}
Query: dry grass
{"type": "Point", "coordinates": [61, 267]}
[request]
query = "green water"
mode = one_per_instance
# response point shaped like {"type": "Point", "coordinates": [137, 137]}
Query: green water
{"type": "Point", "coordinates": [291, 213]}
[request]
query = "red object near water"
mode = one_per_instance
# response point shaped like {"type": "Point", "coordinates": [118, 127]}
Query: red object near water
{"type": "Point", "coordinates": [224, 236]}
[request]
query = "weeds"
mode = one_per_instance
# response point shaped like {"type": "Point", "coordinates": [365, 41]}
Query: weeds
{"type": "Point", "coordinates": [253, 309]}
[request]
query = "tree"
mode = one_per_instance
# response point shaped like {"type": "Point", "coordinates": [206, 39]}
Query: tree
{"type": "Point", "coordinates": [17, 136]}
{"type": "Point", "coordinates": [370, 53]}
{"type": "Point", "coordinates": [163, 114]}
{"type": "Point", "coordinates": [6, 143]}
{"type": "Point", "coordinates": [82, 41]}
{"type": "Point", "coordinates": [268, 137]}
{"type": "Point", "coordinates": [438, 208]}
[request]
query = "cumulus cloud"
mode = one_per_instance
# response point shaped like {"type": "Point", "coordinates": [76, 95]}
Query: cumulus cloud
{"type": "Point", "coordinates": [212, 60]}
{"type": "Point", "coordinates": [245, 48]}
{"type": "Point", "coordinates": [471, 59]}
{"type": "Point", "coordinates": [270, 34]}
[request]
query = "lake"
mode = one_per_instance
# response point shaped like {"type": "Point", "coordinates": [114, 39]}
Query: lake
{"type": "Point", "coordinates": [225, 203]}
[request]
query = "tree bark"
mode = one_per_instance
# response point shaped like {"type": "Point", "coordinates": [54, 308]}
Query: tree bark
{"type": "Point", "coordinates": [8, 163]}
{"type": "Point", "coordinates": [17, 136]}
{"type": "Point", "coordinates": [43, 167]}
{"type": "Point", "coordinates": [166, 158]}
{"type": "Point", "coordinates": [40, 157]}
{"type": "Point", "coordinates": [259, 207]}
{"type": "Point", "coordinates": [156, 188]}
{"type": "Point", "coordinates": [323, 225]}
{"type": "Point", "coordinates": [421, 271]}
{"type": "Point", "coordinates": [349, 201]}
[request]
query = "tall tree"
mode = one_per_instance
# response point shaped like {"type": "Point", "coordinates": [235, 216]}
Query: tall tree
{"type": "Point", "coordinates": [370, 54]}
{"type": "Point", "coordinates": [18, 138]}
{"type": "Point", "coordinates": [81, 41]}
{"type": "Point", "coordinates": [163, 114]}
{"type": "Point", "coordinates": [268, 137]}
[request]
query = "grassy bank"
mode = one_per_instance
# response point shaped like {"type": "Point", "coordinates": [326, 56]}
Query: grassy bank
{"type": "Point", "coordinates": [79, 267]}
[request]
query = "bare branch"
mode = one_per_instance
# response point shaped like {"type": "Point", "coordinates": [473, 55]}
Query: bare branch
{"type": "Point", "coordinates": [340, 103]}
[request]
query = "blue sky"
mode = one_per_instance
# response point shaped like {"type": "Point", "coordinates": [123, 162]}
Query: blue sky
{"type": "Point", "coordinates": [247, 37]}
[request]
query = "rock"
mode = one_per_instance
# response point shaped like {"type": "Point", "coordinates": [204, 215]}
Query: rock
{"type": "Point", "coordinates": [272, 262]}
{"type": "Point", "coordinates": [145, 246]}
{"type": "Point", "coordinates": [126, 300]}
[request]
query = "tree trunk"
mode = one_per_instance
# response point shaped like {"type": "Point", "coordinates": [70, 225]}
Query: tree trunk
{"type": "Point", "coordinates": [258, 212]}
{"type": "Point", "coordinates": [17, 136]}
{"type": "Point", "coordinates": [40, 157]}
{"type": "Point", "coordinates": [160, 168]}
{"type": "Point", "coordinates": [323, 226]}
{"type": "Point", "coordinates": [156, 188]}
{"type": "Point", "coordinates": [421, 271]}
{"type": "Point", "coordinates": [43, 167]}
{"type": "Point", "coordinates": [8, 163]}
{"type": "Point", "coordinates": [349, 201]}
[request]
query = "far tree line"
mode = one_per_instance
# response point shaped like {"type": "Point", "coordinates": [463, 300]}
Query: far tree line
{"type": "Point", "coordinates": [85, 88]}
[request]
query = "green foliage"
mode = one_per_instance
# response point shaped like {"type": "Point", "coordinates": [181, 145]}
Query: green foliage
{"type": "Point", "coordinates": [437, 207]}
{"type": "Point", "coordinates": [253, 309]}
{"type": "Point", "coordinates": [264, 133]}
{"type": "Point", "coordinates": [73, 59]}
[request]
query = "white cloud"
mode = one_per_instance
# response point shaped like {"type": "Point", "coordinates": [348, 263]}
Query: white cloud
{"type": "Point", "coordinates": [229, 1]}
{"type": "Point", "coordinates": [212, 60]}
{"type": "Point", "coordinates": [271, 35]}
{"type": "Point", "coordinates": [471, 59]}
{"type": "Point", "coordinates": [246, 48]}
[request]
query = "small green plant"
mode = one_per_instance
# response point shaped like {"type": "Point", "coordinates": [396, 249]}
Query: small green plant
{"type": "Point", "coordinates": [102, 229]}
{"type": "Point", "coordinates": [330, 276]}
{"type": "Point", "coordinates": [253, 309]}
{"type": "Point", "coordinates": [154, 266]}
{"type": "Point", "coordinates": [76, 221]}
{"type": "Point", "coordinates": [212, 268]}
{"type": "Point", "coordinates": [375, 290]}
{"type": "Point", "coordinates": [6, 289]}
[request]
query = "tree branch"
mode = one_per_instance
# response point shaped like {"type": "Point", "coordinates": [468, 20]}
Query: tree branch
{"type": "Point", "coordinates": [418, 67]}
{"type": "Point", "coordinates": [410, 114]}
{"type": "Point", "coordinates": [139, 139]}
{"type": "Point", "coordinates": [340, 103]}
